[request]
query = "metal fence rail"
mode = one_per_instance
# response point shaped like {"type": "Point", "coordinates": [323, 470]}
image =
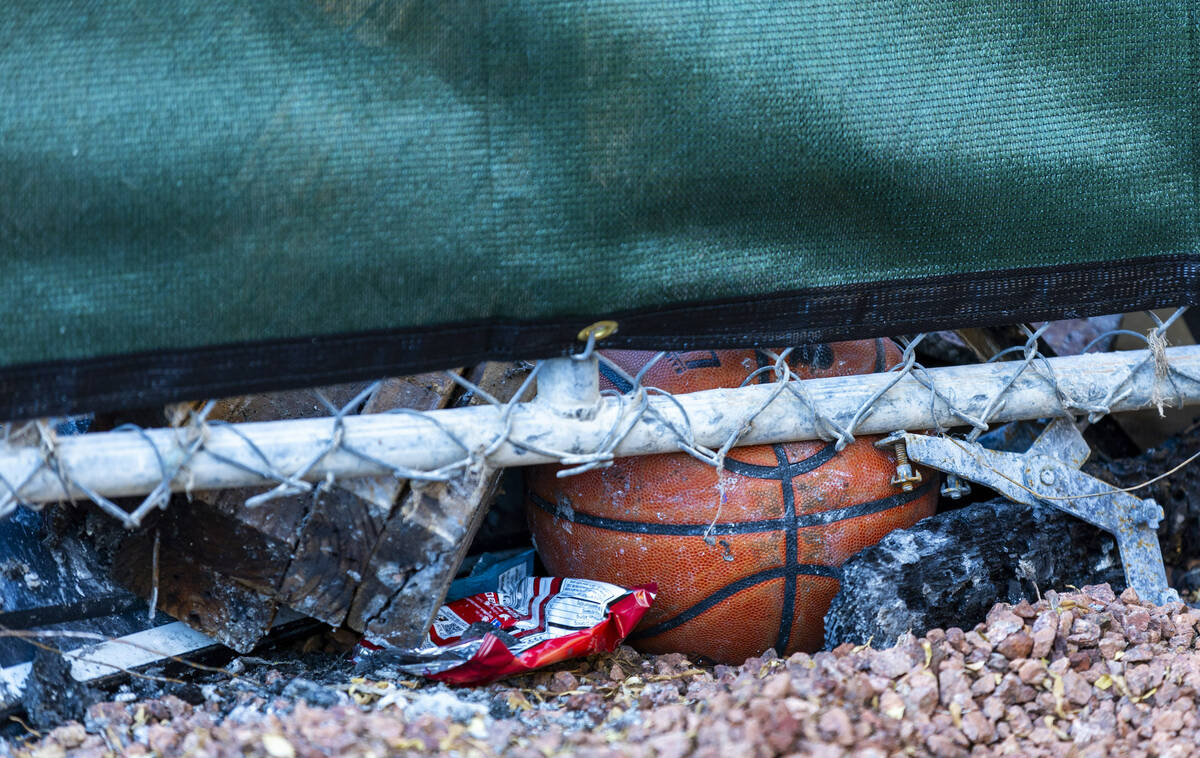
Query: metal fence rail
{"type": "Point", "coordinates": [572, 422]}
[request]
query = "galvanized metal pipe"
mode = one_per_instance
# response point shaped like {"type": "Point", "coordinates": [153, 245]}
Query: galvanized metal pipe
{"type": "Point", "coordinates": [132, 463]}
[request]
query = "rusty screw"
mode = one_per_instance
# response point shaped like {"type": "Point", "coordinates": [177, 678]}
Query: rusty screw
{"type": "Point", "coordinates": [906, 476]}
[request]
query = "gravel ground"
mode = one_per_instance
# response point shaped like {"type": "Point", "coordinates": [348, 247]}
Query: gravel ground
{"type": "Point", "coordinates": [1081, 673]}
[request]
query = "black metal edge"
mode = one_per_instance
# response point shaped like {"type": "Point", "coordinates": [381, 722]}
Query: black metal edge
{"type": "Point", "coordinates": [855, 311]}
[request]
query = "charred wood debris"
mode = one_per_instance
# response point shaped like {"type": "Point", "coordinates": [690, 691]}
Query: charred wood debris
{"type": "Point", "coordinates": [302, 578]}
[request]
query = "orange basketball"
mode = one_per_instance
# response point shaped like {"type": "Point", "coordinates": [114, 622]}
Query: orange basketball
{"type": "Point", "coordinates": [743, 565]}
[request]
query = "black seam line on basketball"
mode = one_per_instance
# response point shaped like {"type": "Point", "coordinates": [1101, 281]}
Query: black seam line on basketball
{"type": "Point", "coordinates": [618, 381]}
{"type": "Point", "coordinates": [737, 527]}
{"type": "Point", "coordinates": [880, 356]}
{"type": "Point", "coordinates": [731, 589]}
{"type": "Point", "coordinates": [763, 361]}
{"type": "Point", "coordinates": [791, 553]}
{"type": "Point", "coordinates": [785, 470]}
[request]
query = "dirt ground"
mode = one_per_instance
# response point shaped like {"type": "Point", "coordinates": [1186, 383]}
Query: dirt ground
{"type": "Point", "coordinates": [1080, 673]}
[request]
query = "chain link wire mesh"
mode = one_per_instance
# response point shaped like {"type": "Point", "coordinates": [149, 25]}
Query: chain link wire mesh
{"type": "Point", "coordinates": [190, 438]}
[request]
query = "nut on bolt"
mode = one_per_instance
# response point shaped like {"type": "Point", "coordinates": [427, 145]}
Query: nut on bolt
{"type": "Point", "coordinates": [954, 487]}
{"type": "Point", "coordinates": [906, 476]}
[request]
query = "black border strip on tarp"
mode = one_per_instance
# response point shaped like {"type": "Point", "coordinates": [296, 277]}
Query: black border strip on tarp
{"type": "Point", "coordinates": [826, 314]}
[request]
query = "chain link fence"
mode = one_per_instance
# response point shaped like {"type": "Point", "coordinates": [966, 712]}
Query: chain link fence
{"type": "Point", "coordinates": [39, 465]}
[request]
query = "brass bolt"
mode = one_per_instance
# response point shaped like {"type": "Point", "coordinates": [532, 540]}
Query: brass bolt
{"type": "Point", "coordinates": [906, 476]}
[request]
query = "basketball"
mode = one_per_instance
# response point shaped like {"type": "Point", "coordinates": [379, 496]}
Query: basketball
{"type": "Point", "coordinates": [744, 562]}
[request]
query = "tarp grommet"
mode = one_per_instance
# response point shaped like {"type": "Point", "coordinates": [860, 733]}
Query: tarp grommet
{"type": "Point", "coordinates": [598, 331]}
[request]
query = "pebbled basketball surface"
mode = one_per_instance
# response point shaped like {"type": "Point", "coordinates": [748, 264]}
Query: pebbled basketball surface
{"type": "Point", "coordinates": [744, 563]}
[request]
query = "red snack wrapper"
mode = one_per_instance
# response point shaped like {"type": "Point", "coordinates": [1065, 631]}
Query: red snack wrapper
{"type": "Point", "coordinates": [529, 623]}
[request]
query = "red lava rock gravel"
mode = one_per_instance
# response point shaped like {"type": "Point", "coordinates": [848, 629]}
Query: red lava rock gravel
{"type": "Point", "coordinates": [1079, 673]}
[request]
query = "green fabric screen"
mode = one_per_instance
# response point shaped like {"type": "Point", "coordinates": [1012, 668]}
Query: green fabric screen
{"type": "Point", "coordinates": [203, 198]}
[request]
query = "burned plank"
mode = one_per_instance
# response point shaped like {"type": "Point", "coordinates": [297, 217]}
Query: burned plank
{"type": "Point", "coordinates": [345, 523]}
{"type": "Point", "coordinates": [224, 568]}
{"type": "Point", "coordinates": [215, 572]}
{"type": "Point", "coordinates": [220, 563]}
{"type": "Point", "coordinates": [427, 537]}
{"type": "Point", "coordinates": [419, 555]}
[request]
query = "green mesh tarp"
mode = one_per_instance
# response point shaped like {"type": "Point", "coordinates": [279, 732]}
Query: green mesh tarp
{"type": "Point", "coordinates": [203, 198]}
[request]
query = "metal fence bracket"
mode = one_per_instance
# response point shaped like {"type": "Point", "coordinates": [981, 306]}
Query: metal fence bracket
{"type": "Point", "coordinates": [1048, 473]}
